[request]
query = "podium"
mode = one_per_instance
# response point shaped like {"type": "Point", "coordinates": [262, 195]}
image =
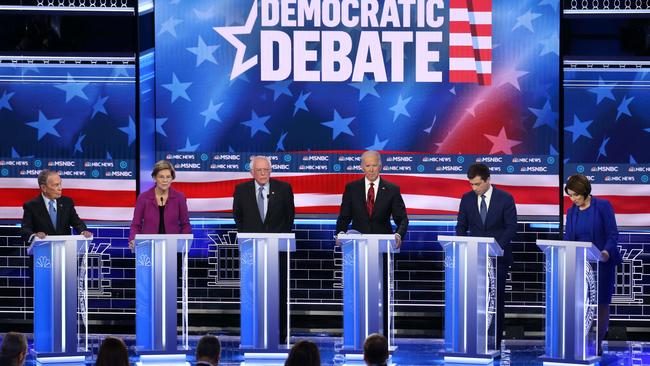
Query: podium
{"type": "Point", "coordinates": [259, 293]}
{"type": "Point", "coordinates": [470, 298]}
{"type": "Point", "coordinates": [60, 297]}
{"type": "Point", "coordinates": [156, 294]}
{"type": "Point", "coordinates": [571, 302]}
{"type": "Point", "coordinates": [363, 283]}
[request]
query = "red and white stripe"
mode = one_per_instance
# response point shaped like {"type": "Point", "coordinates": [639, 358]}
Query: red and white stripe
{"type": "Point", "coordinates": [470, 41]}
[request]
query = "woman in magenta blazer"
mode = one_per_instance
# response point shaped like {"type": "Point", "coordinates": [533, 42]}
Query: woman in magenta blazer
{"type": "Point", "coordinates": [161, 209]}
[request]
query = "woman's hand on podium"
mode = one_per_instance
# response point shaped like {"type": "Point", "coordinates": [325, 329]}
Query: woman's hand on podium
{"type": "Point", "coordinates": [86, 234]}
{"type": "Point", "coordinates": [398, 240]}
{"type": "Point", "coordinates": [604, 256]}
{"type": "Point", "coordinates": [40, 235]}
{"type": "Point", "coordinates": [131, 244]}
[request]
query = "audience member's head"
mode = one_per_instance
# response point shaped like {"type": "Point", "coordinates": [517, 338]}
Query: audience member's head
{"type": "Point", "coordinates": [14, 349]}
{"type": "Point", "coordinates": [375, 350]}
{"type": "Point", "coordinates": [208, 350]}
{"type": "Point", "coordinates": [303, 353]}
{"type": "Point", "coordinates": [112, 352]}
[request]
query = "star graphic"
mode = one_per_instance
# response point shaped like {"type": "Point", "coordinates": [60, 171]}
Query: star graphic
{"type": "Point", "coordinates": [526, 20]}
{"type": "Point", "coordinates": [552, 150]}
{"type": "Point", "coordinates": [177, 88]}
{"type": "Point", "coordinates": [169, 26]}
{"type": "Point", "coordinates": [579, 128]}
{"type": "Point", "coordinates": [624, 107]}
{"type": "Point", "coordinates": [339, 125]}
{"type": "Point", "coordinates": [239, 65]}
{"type": "Point", "coordinates": [603, 91]}
{"type": "Point", "coordinates": [545, 116]}
{"type": "Point", "coordinates": [98, 107]}
{"type": "Point", "coordinates": [472, 108]}
{"type": "Point", "coordinates": [377, 145]}
{"type": "Point", "coordinates": [4, 100]}
{"type": "Point", "coordinates": [550, 45]}
{"type": "Point", "coordinates": [428, 130]}
{"type": "Point", "coordinates": [280, 145]}
{"type": "Point", "coordinates": [257, 123]}
{"type": "Point", "coordinates": [203, 52]}
{"type": "Point", "coordinates": [279, 88]}
{"type": "Point", "coordinates": [129, 130]}
{"type": "Point", "coordinates": [501, 142]}
{"type": "Point", "coordinates": [632, 160]}
{"type": "Point", "coordinates": [73, 89]}
{"type": "Point", "coordinates": [511, 76]}
{"type": "Point", "coordinates": [300, 103]}
{"type": "Point", "coordinates": [77, 145]}
{"type": "Point", "coordinates": [552, 3]}
{"type": "Point", "coordinates": [453, 90]}
{"type": "Point", "coordinates": [205, 14]}
{"type": "Point", "coordinates": [189, 147]}
{"type": "Point", "coordinates": [210, 114]}
{"type": "Point", "coordinates": [15, 155]}
{"type": "Point", "coordinates": [108, 155]}
{"type": "Point", "coordinates": [45, 126]}
{"type": "Point", "coordinates": [601, 149]}
{"type": "Point", "coordinates": [241, 77]}
{"type": "Point", "coordinates": [159, 126]}
{"type": "Point", "coordinates": [399, 108]}
{"type": "Point", "coordinates": [366, 86]}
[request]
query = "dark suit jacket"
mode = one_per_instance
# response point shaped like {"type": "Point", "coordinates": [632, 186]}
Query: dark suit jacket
{"type": "Point", "coordinates": [500, 224]}
{"type": "Point", "coordinates": [604, 233]}
{"type": "Point", "coordinates": [279, 214]}
{"type": "Point", "coordinates": [388, 203]}
{"type": "Point", "coordinates": [36, 218]}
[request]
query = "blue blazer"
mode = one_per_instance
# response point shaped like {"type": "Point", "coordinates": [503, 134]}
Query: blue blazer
{"type": "Point", "coordinates": [500, 224]}
{"type": "Point", "coordinates": [604, 233]}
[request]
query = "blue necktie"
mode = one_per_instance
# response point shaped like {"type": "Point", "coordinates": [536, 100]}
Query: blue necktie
{"type": "Point", "coordinates": [260, 203]}
{"type": "Point", "coordinates": [52, 213]}
{"type": "Point", "coordinates": [483, 210]}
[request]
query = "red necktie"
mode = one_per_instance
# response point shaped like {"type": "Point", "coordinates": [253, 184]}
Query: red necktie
{"type": "Point", "coordinates": [370, 202]}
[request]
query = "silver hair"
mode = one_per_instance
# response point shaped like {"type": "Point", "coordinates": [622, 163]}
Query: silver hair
{"type": "Point", "coordinates": [371, 152]}
{"type": "Point", "coordinates": [260, 157]}
{"type": "Point", "coordinates": [43, 175]}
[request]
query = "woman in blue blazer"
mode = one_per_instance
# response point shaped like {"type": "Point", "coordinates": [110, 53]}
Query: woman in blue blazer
{"type": "Point", "coordinates": [592, 219]}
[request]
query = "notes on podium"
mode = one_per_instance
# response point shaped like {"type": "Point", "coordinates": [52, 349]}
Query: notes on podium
{"type": "Point", "coordinates": [60, 297]}
{"type": "Point", "coordinates": [470, 298]}
{"type": "Point", "coordinates": [571, 302]}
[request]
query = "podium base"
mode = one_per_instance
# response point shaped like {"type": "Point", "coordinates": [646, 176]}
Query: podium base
{"type": "Point", "coordinates": [467, 359]}
{"type": "Point", "coordinates": [551, 361]}
{"type": "Point", "coordinates": [59, 357]}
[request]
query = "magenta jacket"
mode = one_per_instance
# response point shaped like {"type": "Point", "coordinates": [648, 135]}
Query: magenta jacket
{"type": "Point", "coordinates": [146, 215]}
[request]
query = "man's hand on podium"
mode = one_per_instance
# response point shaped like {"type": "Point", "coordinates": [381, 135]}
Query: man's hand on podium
{"type": "Point", "coordinates": [604, 256]}
{"type": "Point", "coordinates": [337, 242]}
{"type": "Point", "coordinates": [398, 240]}
{"type": "Point", "coordinates": [131, 244]}
{"type": "Point", "coordinates": [87, 234]}
{"type": "Point", "coordinates": [40, 235]}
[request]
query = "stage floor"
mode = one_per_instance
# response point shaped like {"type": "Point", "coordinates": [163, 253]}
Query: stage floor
{"type": "Point", "coordinates": [418, 352]}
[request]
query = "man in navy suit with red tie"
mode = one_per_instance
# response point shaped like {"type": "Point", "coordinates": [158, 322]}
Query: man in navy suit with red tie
{"type": "Point", "coordinates": [487, 211]}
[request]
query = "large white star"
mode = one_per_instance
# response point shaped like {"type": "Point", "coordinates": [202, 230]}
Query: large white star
{"type": "Point", "coordinates": [239, 65]}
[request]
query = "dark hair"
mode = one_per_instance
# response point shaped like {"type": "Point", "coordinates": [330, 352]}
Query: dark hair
{"type": "Point", "coordinates": [209, 346]}
{"type": "Point", "coordinates": [579, 184]}
{"type": "Point", "coordinates": [162, 165]}
{"type": "Point", "coordinates": [478, 169]}
{"type": "Point", "coordinates": [303, 353]}
{"type": "Point", "coordinates": [112, 352]}
{"type": "Point", "coordinates": [13, 344]}
{"type": "Point", "coordinates": [375, 349]}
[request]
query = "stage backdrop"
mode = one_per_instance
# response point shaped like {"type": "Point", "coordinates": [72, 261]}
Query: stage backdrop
{"type": "Point", "coordinates": [436, 86]}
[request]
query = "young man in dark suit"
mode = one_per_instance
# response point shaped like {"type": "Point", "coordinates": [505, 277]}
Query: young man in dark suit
{"type": "Point", "coordinates": [489, 212]}
{"type": "Point", "coordinates": [265, 205]}
{"type": "Point", "coordinates": [50, 213]}
{"type": "Point", "coordinates": [208, 351]}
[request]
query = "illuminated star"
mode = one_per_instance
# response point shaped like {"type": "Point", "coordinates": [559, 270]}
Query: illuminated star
{"type": "Point", "coordinates": [177, 88]}
{"type": "Point", "coordinates": [239, 65]}
{"type": "Point", "coordinates": [366, 86]}
{"type": "Point", "coordinates": [257, 123]}
{"type": "Point", "coordinates": [579, 128]}
{"type": "Point", "coordinates": [73, 89]}
{"type": "Point", "coordinates": [552, 3]}
{"type": "Point", "coordinates": [159, 126]}
{"type": "Point", "coordinates": [129, 130]}
{"type": "Point", "coordinates": [77, 145]}
{"type": "Point", "coordinates": [511, 76]}
{"type": "Point", "coordinates": [280, 145]}
{"type": "Point", "coordinates": [550, 45]}
{"type": "Point", "coordinates": [339, 125]}
{"type": "Point", "coordinates": [210, 114]}
{"type": "Point", "coordinates": [203, 52]}
{"type": "Point", "coordinates": [501, 142]}
{"type": "Point", "coordinates": [4, 100]}
{"type": "Point", "coordinates": [45, 126]}
{"type": "Point", "coordinates": [98, 107]}
{"type": "Point", "coordinates": [601, 149]}
{"type": "Point", "coordinates": [377, 145]}
{"type": "Point", "coordinates": [526, 21]}
{"type": "Point", "coordinates": [189, 147]}
{"type": "Point", "coordinates": [624, 107]}
{"type": "Point", "coordinates": [300, 103]}
{"type": "Point", "coordinates": [399, 109]}
{"type": "Point", "coordinates": [169, 26]}
{"type": "Point", "coordinates": [603, 91]}
{"type": "Point", "coordinates": [279, 88]}
{"type": "Point", "coordinates": [545, 116]}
